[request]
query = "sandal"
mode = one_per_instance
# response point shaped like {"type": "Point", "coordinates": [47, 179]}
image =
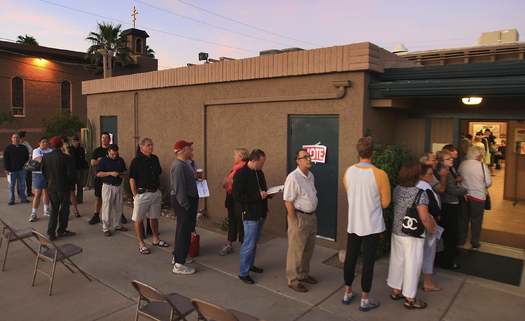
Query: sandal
{"type": "Point", "coordinates": [397, 296]}
{"type": "Point", "coordinates": [77, 214]}
{"type": "Point", "coordinates": [144, 250]}
{"type": "Point", "coordinates": [161, 244]}
{"type": "Point", "coordinates": [416, 304]}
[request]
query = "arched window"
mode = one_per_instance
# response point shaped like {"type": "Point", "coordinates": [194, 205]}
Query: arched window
{"type": "Point", "coordinates": [65, 95]}
{"type": "Point", "coordinates": [17, 90]}
{"type": "Point", "coordinates": [138, 47]}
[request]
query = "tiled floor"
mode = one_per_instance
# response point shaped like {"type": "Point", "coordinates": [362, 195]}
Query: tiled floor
{"type": "Point", "coordinates": [504, 216]}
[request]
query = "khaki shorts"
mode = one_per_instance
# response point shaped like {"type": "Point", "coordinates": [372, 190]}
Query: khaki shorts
{"type": "Point", "coordinates": [147, 203]}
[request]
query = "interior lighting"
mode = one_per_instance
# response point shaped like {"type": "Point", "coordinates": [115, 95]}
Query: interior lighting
{"type": "Point", "coordinates": [472, 100]}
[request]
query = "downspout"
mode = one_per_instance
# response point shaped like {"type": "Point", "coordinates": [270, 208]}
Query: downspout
{"type": "Point", "coordinates": [340, 84]}
{"type": "Point", "coordinates": [136, 120]}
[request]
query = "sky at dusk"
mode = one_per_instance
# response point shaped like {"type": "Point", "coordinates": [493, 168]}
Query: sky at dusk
{"type": "Point", "coordinates": [180, 29]}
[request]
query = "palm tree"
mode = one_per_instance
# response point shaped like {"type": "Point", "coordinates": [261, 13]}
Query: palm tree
{"type": "Point", "coordinates": [150, 53]}
{"type": "Point", "coordinates": [108, 38]}
{"type": "Point", "coordinates": [27, 40]}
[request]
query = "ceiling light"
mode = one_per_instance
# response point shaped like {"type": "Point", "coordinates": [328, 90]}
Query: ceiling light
{"type": "Point", "coordinates": [472, 100]}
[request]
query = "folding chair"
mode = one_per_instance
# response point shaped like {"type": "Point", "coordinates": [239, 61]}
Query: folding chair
{"type": "Point", "coordinates": [48, 251]}
{"type": "Point", "coordinates": [156, 305]}
{"type": "Point", "coordinates": [214, 312]}
{"type": "Point", "coordinates": [11, 235]}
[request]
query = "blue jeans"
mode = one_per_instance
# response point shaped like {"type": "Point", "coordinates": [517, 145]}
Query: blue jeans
{"type": "Point", "coordinates": [252, 235]}
{"type": "Point", "coordinates": [21, 176]}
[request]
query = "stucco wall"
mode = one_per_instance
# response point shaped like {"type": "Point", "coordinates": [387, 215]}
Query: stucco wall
{"type": "Point", "coordinates": [170, 114]}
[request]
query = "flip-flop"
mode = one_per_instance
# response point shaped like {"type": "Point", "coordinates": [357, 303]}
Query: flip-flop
{"type": "Point", "coordinates": [161, 244]}
{"type": "Point", "coordinates": [436, 288]}
{"type": "Point", "coordinates": [143, 250]}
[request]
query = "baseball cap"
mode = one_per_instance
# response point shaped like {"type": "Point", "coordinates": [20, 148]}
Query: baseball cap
{"type": "Point", "coordinates": [181, 144]}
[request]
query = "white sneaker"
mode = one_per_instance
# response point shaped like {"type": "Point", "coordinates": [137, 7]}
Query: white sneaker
{"type": "Point", "coordinates": [372, 304]}
{"type": "Point", "coordinates": [348, 297]}
{"type": "Point", "coordinates": [182, 269]}
{"type": "Point", "coordinates": [226, 250]}
{"type": "Point", "coordinates": [32, 218]}
{"type": "Point", "coordinates": [47, 213]}
{"type": "Point", "coordinates": [189, 260]}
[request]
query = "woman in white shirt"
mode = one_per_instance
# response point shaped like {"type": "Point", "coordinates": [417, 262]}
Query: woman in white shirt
{"type": "Point", "coordinates": [39, 181]}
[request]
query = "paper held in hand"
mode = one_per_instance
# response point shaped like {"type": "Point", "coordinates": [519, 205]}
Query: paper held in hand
{"type": "Point", "coordinates": [275, 189]}
{"type": "Point", "coordinates": [202, 188]}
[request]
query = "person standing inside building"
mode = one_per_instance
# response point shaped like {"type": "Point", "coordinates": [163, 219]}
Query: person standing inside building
{"type": "Point", "coordinates": [185, 202]}
{"type": "Point", "coordinates": [59, 171]}
{"type": "Point", "coordinates": [97, 154]}
{"type": "Point", "coordinates": [112, 169]}
{"type": "Point", "coordinates": [249, 194]}
{"type": "Point", "coordinates": [15, 157]}
{"type": "Point", "coordinates": [144, 180]}
{"type": "Point", "coordinates": [300, 198]}
{"type": "Point", "coordinates": [368, 190]}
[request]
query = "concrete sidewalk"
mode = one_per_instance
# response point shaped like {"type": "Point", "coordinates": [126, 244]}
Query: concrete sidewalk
{"type": "Point", "coordinates": [114, 261]}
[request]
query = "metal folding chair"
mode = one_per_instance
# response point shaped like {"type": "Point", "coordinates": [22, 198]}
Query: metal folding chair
{"type": "Point", "coordinates": [11, 235]}
{"type": "Point", "coordinates": [48, 251]}
{"type": "Point", "coordinates": [207, 311]}
{"type": "Point", "coordinates": [156, 305]}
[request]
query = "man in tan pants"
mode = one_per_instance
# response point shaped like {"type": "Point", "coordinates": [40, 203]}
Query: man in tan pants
{"type": "Point", "coordinates": [300, 197]}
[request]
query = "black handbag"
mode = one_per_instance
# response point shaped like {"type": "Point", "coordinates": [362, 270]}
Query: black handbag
{"type": "Point", "coordinates": [412, 224]}
{"type": "Point", "coordinates": [32, 166]}
{"type": "Point", "coordinates": [488, 203]}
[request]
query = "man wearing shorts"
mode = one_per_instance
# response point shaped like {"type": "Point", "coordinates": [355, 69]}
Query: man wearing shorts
{"type": "Point", "coordinates": [98, 153]}
{"type": "Point", "coordinates": [144, 180]}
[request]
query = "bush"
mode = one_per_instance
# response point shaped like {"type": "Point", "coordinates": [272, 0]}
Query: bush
{"type": "Point", "coordinates": [389, 160]}
{"type": "Point", "coordinates": [63, 123]}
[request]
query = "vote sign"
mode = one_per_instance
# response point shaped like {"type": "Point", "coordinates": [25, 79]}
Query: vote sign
{"type": "Point", "coordinates": [317, 152]}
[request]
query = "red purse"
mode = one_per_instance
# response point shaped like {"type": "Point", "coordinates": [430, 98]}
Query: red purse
{"type": "Point", "coordinates": [195, 244]}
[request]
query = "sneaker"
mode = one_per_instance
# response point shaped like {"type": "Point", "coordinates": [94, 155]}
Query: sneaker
{"type": "Point", "coordinates": [189, 260]}
{"type": "Point", "coordinates": [95, 219]}
{"type": "Point", "coordinates": [372, 304]}
{"type": "Point", "coordinates": [47, 213]}
{"type": "Point", "coordinates": [474, 248]}
{"type": "Point", "coordinates": [66, 233]}
{"type": "Point", "coordinates": [32, 218]}
{"type": "Point", "coordinates": [348, 297]}
{"type": "Point", "coordinates": [183, 269]}
{"type": "Point", "coordinates": [226, 250]}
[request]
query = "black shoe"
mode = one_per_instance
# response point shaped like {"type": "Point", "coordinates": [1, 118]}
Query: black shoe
{"type": "Point", "coordinates": [255, 269]}
{"type": "Point", "coordinates": [51, 237]}
{"type": "Point", "coordinates": [123, 219]}
{"type": "Point", "coordinates": [95, 219]}
{"type": "Point", "coordinates": [246, 279]}
{"type": "Point", "coordinates": [66, 233]}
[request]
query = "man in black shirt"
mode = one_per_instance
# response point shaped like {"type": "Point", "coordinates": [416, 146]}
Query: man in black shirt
{"type": "Point", "coordinates": [59, 171]}
{"type": "Point", "coordinates": [15, 156]}
{"type": "Point", "coordinates": [98, 153]}
{"type": "Point", "coordinates": [112, 169]}
{"type": "Point", "coordinates": [144, 180]}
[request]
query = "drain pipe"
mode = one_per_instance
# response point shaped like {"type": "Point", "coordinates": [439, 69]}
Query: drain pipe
{"type": "Point", "coordinates": [340, 84]}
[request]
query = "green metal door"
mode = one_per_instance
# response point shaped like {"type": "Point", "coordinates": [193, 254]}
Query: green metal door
{"type": "Point", "coordinates": [109, 124]}
{"type": "Point", "coordinates": [310, 130]}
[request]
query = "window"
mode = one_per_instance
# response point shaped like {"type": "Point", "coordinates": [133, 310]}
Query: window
{"type": "Point", "coordinates": [17, 104]}
{"type": "Point", "coordinates": [65, 95]}
{"type": "Point", "coordinates": [138, 47]}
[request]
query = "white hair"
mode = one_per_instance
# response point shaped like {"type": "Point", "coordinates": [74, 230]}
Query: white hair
{"type": "Point", "coordinates": [474, 151]}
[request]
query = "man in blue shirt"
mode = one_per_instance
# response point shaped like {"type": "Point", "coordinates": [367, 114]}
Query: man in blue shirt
{"type": "Point", "coordinates": [112, 169]}
{"type": "Point", "coordinates": [15, 156]}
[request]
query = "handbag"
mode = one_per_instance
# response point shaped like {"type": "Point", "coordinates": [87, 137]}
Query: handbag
{"type": "Point", "coordinates": [412, 224]}
{"type": "Point", "coordinates": [32, 165]}
{"type": "Point", "coordinates": [488, 203]}
{"type": "Point", "coordinates": [195, 243]}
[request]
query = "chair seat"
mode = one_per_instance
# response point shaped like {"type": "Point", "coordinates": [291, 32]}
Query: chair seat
{"type": "Point", "coordinates": [22, 233]}
{"type": "Point", "coordinates": [162, 310]}
{"type": "Point", "coordinates": [68, 249]}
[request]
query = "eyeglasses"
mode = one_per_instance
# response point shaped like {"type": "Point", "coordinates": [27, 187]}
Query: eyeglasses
{"type": "Point", "coordinates": [305, 157]}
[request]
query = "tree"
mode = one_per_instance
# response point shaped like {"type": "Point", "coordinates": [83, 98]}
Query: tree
{"type": "Point", "coordinates": [108, 38]}
{"type": "Point", "coordinates": [27, 40]}
{"type": "Point", "coordinates": [150, 53]}
{"type": "Point", "coordinates": [63, 123]}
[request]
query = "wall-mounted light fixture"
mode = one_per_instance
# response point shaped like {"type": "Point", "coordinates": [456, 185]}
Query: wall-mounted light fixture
{"type": "Point", "coordinates": [472, 100]}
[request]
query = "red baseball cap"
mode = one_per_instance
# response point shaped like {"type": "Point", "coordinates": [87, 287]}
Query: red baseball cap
{"type": "Point", "coordinates": [57, 142]}
{"type": "Point", "coordinates": [181, 144]}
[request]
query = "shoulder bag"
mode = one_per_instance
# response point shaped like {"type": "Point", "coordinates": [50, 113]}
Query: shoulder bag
{"type": "Point", "coordinates": [32, 165]}
{"type": "Point", "coordinates": [412, 224]}
{"type": "Point", "coordinates": [488, 203]}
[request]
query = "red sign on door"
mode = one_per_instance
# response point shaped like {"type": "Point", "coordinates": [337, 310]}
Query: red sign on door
{"type": "Point", "coordinates": [317, 152]}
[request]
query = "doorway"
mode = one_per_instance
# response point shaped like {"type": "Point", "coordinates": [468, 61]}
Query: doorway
{"type": "Point", "coordinates": [109, 124]}
{"type": "Point", "coordinates": [311, 130]}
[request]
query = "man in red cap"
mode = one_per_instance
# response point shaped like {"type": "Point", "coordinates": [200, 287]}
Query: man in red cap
{"type": "Point", "coordinates": [60, 173]}
{"type": "Point", "coordinates": [185, 202]}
